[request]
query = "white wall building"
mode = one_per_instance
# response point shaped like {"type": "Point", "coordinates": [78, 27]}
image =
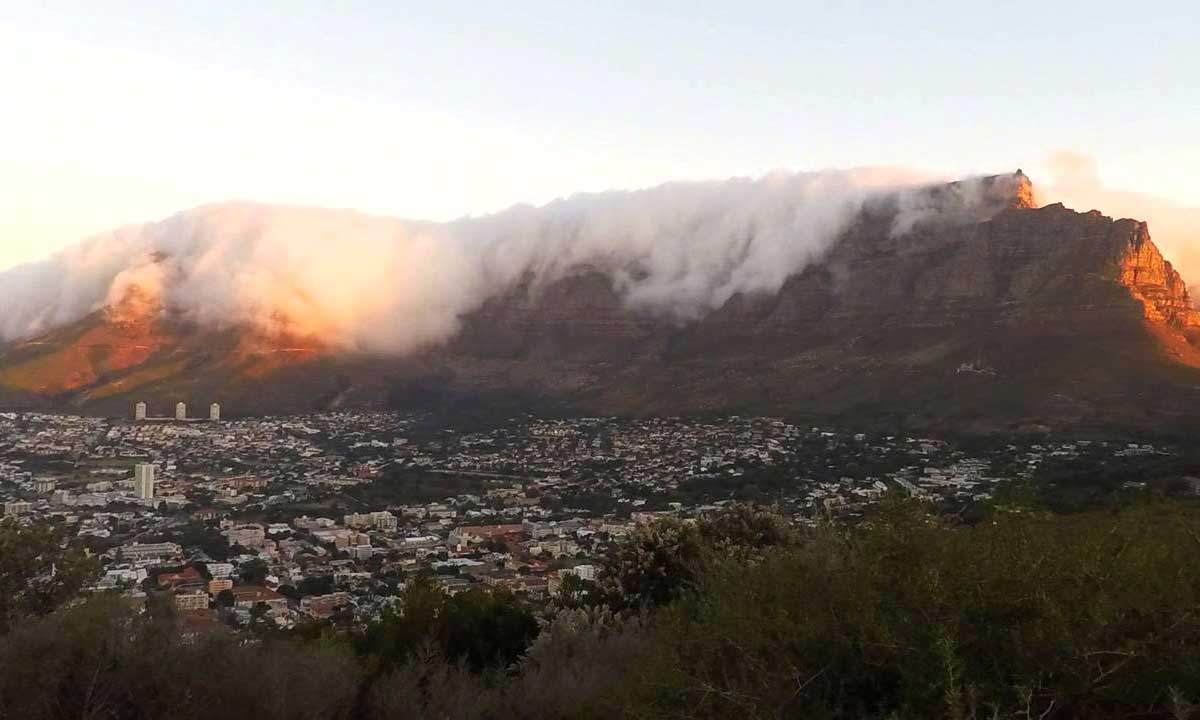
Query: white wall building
{"type": "Point", "coordinates": [17, 507]}
{"type": "Point", "coordinates": [143, 481]}
{"type": "Point", "coordinates": [214, 412]}
{"type": "Point", "coordinates": [181, 411]}
{"type": "Point", "coordinates": [139, 411]}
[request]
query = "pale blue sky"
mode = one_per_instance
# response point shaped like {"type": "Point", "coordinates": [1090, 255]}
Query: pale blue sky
{"type": "Point", "coordinates": [123, 111]}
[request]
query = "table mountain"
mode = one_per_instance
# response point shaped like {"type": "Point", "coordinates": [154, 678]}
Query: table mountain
{"type": "Point", "coordinates": [1014, 318]}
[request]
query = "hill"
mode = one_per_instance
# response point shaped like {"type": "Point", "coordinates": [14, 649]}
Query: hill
{"type": "Point", "coordinates": [953, 308]}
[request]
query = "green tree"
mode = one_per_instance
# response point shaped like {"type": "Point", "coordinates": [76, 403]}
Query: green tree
{"type": "Point", "coordinates": [254, 572]}
{"type": "Point", "coordinates": [316, 585]}
{"type": "Point", "coordinates": [258, 611]}
{"type": "Point", "coordinates": [404, 628]}
{"type": "Point", "coordinates": [39, 571]}
{"type": "Point", "coordinates": [486, 629]}
{"type": "Point", "coordinates": [656, 563]}
{"type": "Point", "coordinates": [745, 526]}
{"type": "Point", "coordinates": [661, 560]}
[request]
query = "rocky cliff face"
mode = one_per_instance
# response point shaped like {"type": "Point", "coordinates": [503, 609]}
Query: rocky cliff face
{"type": "Point", "coordinates": [954, 310]}
{"type": "Point", "coordinates": [1152, 281]}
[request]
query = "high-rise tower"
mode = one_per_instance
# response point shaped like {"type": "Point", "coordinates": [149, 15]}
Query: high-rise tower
{"type": "Point", "coordinates": [143, 481]}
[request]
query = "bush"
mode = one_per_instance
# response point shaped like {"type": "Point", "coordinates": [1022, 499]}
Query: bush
{"type": "Point", "coordinates": [101, 659]}
{"type": "Point", "coordinates": [1024, 614]}
{"type": "Point", "coordinates": [1090, 615]}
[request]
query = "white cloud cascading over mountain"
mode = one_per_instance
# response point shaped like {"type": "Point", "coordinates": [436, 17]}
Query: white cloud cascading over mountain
{"type": "Point", "coordinates": [375, 284]}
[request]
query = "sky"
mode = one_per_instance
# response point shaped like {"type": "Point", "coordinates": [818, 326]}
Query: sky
{"type": "Point", "coordinates": [127, 111]}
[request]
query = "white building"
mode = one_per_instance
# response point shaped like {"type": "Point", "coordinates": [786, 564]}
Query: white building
{"type": "Point", "coordinates": [139, 411]}
{"type": "Point", "coordinates": [220, 570]}
{"type": "Point", "coordinates": [181, 411]}
{"type": "Point", "coordinates": [382, 520]}
{"type": "Point", "coordinates": [361, 552]}
{"type": "Point", "coordinates": [150, 551]}
{"type": "Point", "coordinates": [195, 600]}
{"type": "Point", "coordinates": [17, 507]}
{"type": "Point", "coordinates": [583, 572]}
{"type": "Point", "coordinates": [143, 481]}
{"type": "Point", "coordinates": [250, 535]}
{"type": "Point", "coordinates": [214, 412]}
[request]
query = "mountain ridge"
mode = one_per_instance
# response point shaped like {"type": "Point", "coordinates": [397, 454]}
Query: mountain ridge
{"type": "Point", "coordinates": [1023, 318]}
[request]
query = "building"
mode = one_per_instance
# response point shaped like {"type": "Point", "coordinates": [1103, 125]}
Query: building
{"type": "Point", "coordinates": [219, 570]}
{"type": "Point", "coordinates": [187, 579]}
{"type": "Point", "coordinates": [250, 535]}
{"type": "Point", "coordinates": [361, 552]}
{"type": "Point", "coordinates": [151, 551]}
{"type": "Point", "coordinates": [214, 412]}
{"type": "Point", "coordinates": [139, 411]}
{"type": "Point", "coordinates": [17, 507]}
{"type": "Point", "coordinates": [480, 533]}
{"type": "Point", "coordinates": [216, 585]}
{"type": "Point", "coordinates": [181, 411]}
{"type": "Point", "coordinates": [44, 486]}
{"type": "Point", "coordinates": [192, 600]}
{"type": "Point", "coordinates": [382, 520]}
{"type": "Point", "coordinates": [583, 572]}
{"type": "Point", "coordinates": [143, 481]}
{"type": "Point", "coordinates": [247, 596]}
{"type": "Point", "coordinates": [324, 606]}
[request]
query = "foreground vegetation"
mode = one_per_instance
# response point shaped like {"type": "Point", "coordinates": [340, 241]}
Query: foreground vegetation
{"type": "Point", "coordinates": [1023, 614]}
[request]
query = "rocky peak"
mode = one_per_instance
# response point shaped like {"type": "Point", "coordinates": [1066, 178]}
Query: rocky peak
{"type": "Point", "coordinates": [1022, 191]}
{"type": "Point", "coordinates": [1152, 280]}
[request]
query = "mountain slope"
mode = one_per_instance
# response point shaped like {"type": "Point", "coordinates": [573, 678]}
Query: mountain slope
{"type": "Point", "coordinates": [1016, 318]}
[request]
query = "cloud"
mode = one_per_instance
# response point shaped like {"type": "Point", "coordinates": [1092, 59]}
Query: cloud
{"type": "Point", "coordinates": [1075, 181]}
{"type": "Point", "coordinates": [377, 284]}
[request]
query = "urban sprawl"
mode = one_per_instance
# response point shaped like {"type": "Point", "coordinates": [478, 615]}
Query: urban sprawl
{"type": "Point", "coordinates": [285, 519]}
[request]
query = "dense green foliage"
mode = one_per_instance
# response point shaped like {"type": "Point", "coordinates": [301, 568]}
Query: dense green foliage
{"type": "Point", "coordinates": [37, 572]}
{"type": "Point", "coordinates": [483, 629]}
{"type": "Point", "coordinates": [1022, 614]}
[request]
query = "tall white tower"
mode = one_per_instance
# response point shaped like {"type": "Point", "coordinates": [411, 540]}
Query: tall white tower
{"type": "Point", "coordinates": [143, 481]}
{"type": "Point", "coordinates": [180, 411]}
{"type": "Point", "coordinates": [139, 411]}
{"type": "Point", "coordinates": [214, 412]}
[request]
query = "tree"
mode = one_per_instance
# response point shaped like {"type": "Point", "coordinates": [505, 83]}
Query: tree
{"type": "Point", "coordinates": [316, 585]}
{"type": "Point", "coordinates": [401, 631]}
{"type": "Point", "coordinates": [575, 592]}
{"type": "Point", "coordinates": [655, 564]}
{"type": "Point", "coordinates": [661, 560]}
{"type": "Point", "coordinates": [39, 571]}
{"type": "Point", "coordinates": [254, 572]}
{"type": "Point", "coordinates": [225, 598]}
{"type": "Point", "coordinates": [747, 526]}
{"type": "Point", "coordinates": [481, 628]}
{"type": "Point", "coordinates": [258, 611]}
{"type": "Point", "coordinates": [486, 629]}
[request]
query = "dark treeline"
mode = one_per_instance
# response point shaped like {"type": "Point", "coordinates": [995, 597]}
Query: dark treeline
{"type": "Point", "coordinates": [1022, 614]}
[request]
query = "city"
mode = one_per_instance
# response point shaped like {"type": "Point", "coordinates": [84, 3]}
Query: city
{"type": "Point", "coordinates": [327, 516]}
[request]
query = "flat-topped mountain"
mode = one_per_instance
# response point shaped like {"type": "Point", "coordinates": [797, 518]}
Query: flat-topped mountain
{"type": "Point", "coordinates": [954, 306]}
